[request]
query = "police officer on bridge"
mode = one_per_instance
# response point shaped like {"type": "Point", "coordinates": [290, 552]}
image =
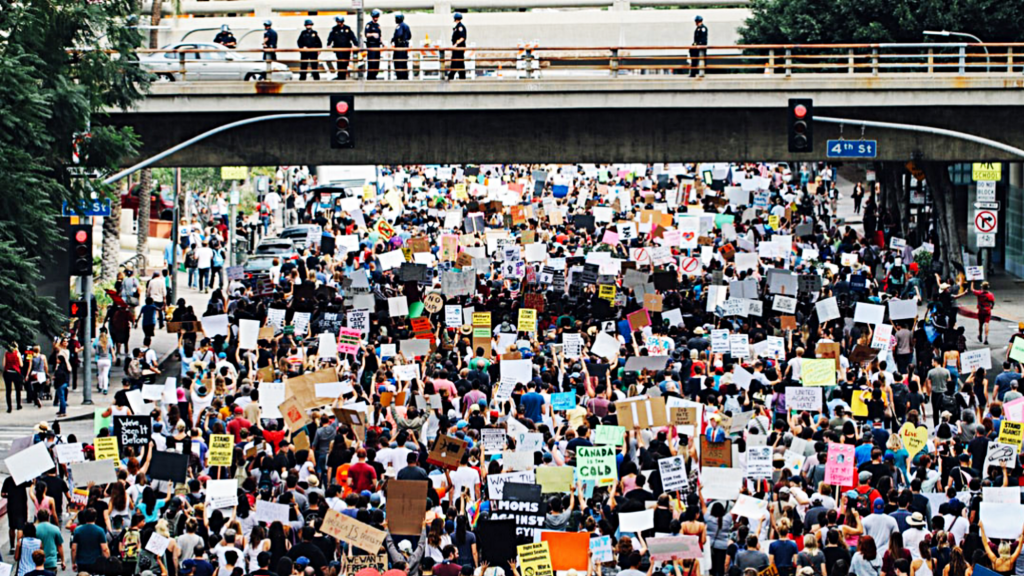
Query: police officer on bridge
{"type": "Point", "coordinates": [400, 39]}
{"type": "Point", "coordinates": [269, 40]}
{"type": "Point", "coordinates": [225, 37]}
{"type": "Point", "coordinates": [309, 39]}
{"type": "Point", "coordinates": [700, 38]}
{"type": "Point", "coordinates": [458, 61]}
{"type": "Point", "coordinates": [373, 43]}
{"type": "Point", "coordinates": [342, 36]}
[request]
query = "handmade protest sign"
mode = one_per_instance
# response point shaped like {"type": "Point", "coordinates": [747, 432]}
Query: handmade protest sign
{"type": "Point", "coordinates": [840, 464]}
{"type": "Point", "coordinates": [222, 448]}
{"type": "Point", "coordinates": [351, 531]}
{"type": "Point", "coordinates": [597, 463]}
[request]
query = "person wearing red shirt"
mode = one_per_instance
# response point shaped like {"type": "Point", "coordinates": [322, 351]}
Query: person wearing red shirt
{"type": "Point", "coordinates": [236, 425]}
{"type": "Point", "coordinates": [362, 476]}
{"type": "Point", "coordinates": [273, 436]}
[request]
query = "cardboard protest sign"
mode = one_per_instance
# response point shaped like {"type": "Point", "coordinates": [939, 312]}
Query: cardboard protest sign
{"type": "Point", "coordinates": [673, 474]}
{"type": "Point", "coordinates": [352, 532]}
{"type": "Point", "coordinates": [447, 452]}
{"type": "Point", "coordinates": [359, 562]}
{"type": "Point", "coordinates": [294, 414]}
{"type": "Point", "coordinates": [106, 448]}
{"type": "Point", "coordinates": [674, 548]}
{"type": "Point", "coordinates": [642, 413]}
{"type": "Point", "coordinates": [569, 550]}
{"type": "Point", "coordinates": [133, 430]}
{"type": "Point", "coordinates": [405, 506]}
{"type": "Point", "coordinates": [597, 463]}
{"type": "Point", "coordinates": [683, 416]}
{"type": "Point", "coordinates": [222, 447]}
{"type": "Point", "coordinates": [840, 465]}
{"type": "Point", "coordinates": [801, 398]}
{"type": "Point", "coordinates": [555, 479]}
{"type": "Point", "coordinates": [169, 466]}
{"type": "Point", "coordinates": [496, 540]}
{"type": "Point", "coordinates": [535, 559]}
{"type": "Point", "coordinates": [32, 462]}
{"type": "Point", "coordinates": [715, 454]}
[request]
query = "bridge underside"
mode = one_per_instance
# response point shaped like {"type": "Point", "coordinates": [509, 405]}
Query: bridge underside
{"type": "Point", "coordinates": [567, 135]}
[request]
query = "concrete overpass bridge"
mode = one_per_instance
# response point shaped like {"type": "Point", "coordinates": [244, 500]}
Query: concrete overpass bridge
{"type": "Point", "coordinates": [613, 111]}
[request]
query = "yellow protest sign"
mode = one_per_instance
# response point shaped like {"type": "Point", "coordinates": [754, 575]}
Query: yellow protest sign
{"type": "Point", "coordinates": [1011, 433]}
{"type": "Point", "coordinates": [482, 319]}
{"type": "Point", "coordinates": [606, 291]}
{"type": "Point", "coordinates": [106, 449]}
{"type": "Point", "coordinates": [535, 559]}
{"type": "Point", "coordinates": [555, 478]}
{"type": "Point", "coordinates": [773, 221]}
{"type": "Point", "coordinates": [222, 447]}
{"type": "Point", "coordinates": [460, 192]}
{"type": "Point", "coordinates": [527, 320]}
{"type": "Point", "coordinates": [914, 439]}
{"type": "Point", "coordinates": [818, 371]}
{"type": "Point", "coordinates": [369, 192]}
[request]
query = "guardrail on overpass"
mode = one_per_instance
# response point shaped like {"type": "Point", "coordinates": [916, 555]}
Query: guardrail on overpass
{"type": "Point", "coordinates": [267, 7]}
{"type": "Point", "coordinates": [535, 62]}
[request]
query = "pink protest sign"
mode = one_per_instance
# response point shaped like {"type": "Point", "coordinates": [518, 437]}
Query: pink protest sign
{"type": "Point", "coordinates": [610, 237]}
{"type": "Point", "coordinates": [1014, 410]}
{"type": "Point", "coordinates": [674, 547]}
{"type": "Point", "coordinates": [839, 466]}
{"type": "Point", "coordinates": [348, 340]}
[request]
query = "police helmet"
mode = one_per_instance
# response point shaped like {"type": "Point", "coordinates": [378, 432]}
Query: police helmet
{"type": "Point", "coordinates": [224, 28]}
{"type": "Point", "coordinates": [375, 13]}
{"type": "Point", "coordinates": [698, 18]}
{"type": "Point", "coordinates": [399, 17]}
{"type": "Point", "coordinates": [458, 15]}
{"type": "Point", "coordinates": [308, 22]}
{"type": "Point", "coordinates": [339, 19]}
{"type": "Point", "coordinates": [267, 23]}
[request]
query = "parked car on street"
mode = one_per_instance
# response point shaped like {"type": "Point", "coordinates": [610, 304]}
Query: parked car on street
{"type": "Point", "coordinates": [218, 63]}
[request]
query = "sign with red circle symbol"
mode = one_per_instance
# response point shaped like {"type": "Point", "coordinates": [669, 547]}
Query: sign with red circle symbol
{"type": "Point", "coordinates": [986, 221]}
{"type": "Point", "coordinates": [691, 265]}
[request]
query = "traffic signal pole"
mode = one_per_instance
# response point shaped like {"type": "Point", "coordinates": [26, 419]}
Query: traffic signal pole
{"type": "Point", "coordinates": [87, 334]}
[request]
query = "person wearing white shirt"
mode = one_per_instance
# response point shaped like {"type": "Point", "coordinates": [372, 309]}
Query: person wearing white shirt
{"type": "Point", "coordinates": [204, 258]}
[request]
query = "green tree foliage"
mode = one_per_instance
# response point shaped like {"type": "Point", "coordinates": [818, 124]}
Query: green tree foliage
{"type": "Point", "coordinates": [62, 62]}
{"type": "Point", "coordinates": [865, 21]}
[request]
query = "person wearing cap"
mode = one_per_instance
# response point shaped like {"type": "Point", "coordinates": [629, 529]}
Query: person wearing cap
{"type": "Point", "coordinates": [374, 41]}
{"type": "Point", "coordinates": [343, 39]}
{"type": "Point", "coordinates": [700, 38]}
{"type": "Point", "coordinates": [400, 40]}
{"type": "Point", "coordinates": [309, 42]}
{"type": "Point", "coordinates": [880, 525]}
{"type": "Point", "coordinates": [458, 57]}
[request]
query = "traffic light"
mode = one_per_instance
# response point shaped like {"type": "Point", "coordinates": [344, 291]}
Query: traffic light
{"type": "Point", "coordinates": [76, 309]}
{"type": "Point", "coordinates": [801, 134]}
{"type": "Point", "coordinates": [80, 250]}
{"type": "Point", "coordinates": [342, 108]}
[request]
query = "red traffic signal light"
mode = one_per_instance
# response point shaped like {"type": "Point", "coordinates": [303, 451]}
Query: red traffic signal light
{"type": "Point", "coordinates": [80, 250]}
{"type": "Point", "coordinates": [342, 108]}
{"type": "Point", "coordinates": [801, 114]}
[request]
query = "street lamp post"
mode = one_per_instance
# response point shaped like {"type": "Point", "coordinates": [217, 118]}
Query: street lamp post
{"type": "Point", "coordinates": [948, 33]}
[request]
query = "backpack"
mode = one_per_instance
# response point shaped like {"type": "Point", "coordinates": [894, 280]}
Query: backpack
{"type": "Point", "coordinates": [134, 369]}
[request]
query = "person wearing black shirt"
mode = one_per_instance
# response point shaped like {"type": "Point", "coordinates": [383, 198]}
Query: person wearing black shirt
{"type": "Point", "coordinates": [306, 549]}
{"type": "Point", "coordinates": [374, 41]}
{"type": "Point", "coordinates": [342, 36]}
{"type": "Point", "coordinates": [458, 59]}
{"type": "Point", "coordinates": [309, 39]}
{"type": "Point", "coordinates": [412, 471]}
{"type": "Point", "coordinates": [56, 488]}
{"type": "Point", "coordinates": [225, 37]}
{"type": "Point", "coordinates": [263, 561]}
{"type": "Point", "coordinates": [978, 448]}
{"type": "Point", "coordinates": [17, 507]}
{"type": "Point", "coordinates": [700, 38]}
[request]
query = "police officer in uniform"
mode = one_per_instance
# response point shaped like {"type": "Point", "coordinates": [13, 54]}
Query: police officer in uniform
{"type": "Point", "coordinates": [373, 43]}
{"type": "Point", "coordinates": [269, 40]}
{"type": "Point", "coordinates": [225, 37]}
{"type": "Point", "coordinates": [700, 38]}
{"type": "Point", "coordinates": [400, 39]}
{"type": "Point", "coordinates": [342, 36]}
{"type": "Point", "coordinates": [458, 61]}
{"type": "Point", "coordinates": [309, 39]}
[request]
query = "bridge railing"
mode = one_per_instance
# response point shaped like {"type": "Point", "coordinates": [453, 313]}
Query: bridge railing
{"type": "Point", "coordinates": [540, 62]}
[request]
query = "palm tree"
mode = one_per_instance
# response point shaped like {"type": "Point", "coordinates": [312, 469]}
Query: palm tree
{"type": "Point", "coordinates": [142, 234]}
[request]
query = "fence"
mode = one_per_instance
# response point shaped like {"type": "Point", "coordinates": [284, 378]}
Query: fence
{"type": "Point", "coordinates": [537, 62]}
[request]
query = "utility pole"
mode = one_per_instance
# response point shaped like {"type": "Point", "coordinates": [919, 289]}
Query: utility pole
{"type": "Point", "coordinates": [175, 231]}
{"type": "Point", "coordinates": [232, 216]}
{"type": "Point", "coordinates": [87, 344]}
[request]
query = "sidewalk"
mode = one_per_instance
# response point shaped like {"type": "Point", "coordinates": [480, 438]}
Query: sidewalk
{"type": "Point", "coordinates": [164, 344]}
